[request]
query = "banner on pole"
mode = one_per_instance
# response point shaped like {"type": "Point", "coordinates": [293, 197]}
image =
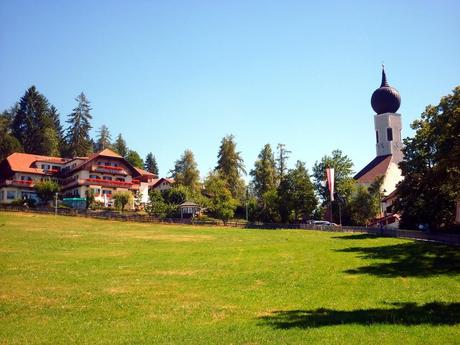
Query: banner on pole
{"type": "Point", "coordinates": [330, 181]}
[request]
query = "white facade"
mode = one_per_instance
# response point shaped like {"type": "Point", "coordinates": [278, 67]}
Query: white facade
{"type": "Point", "coordinates": [388, 135]}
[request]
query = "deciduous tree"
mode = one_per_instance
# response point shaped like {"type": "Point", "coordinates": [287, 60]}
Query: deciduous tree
{"type": "Point", "coordinates": [431, 167]}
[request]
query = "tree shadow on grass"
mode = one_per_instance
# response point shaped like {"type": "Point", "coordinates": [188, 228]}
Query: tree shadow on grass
{"type": "Point", "coordinates": [407, 314]}
{"type": "Point", "coordinates": [416, 259]}
{"type": "Point", "coordinates": [356, 237]}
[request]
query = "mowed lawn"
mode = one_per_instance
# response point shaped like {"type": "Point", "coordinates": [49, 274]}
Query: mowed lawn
{"type": "Point", "coordinates": [75, 280]}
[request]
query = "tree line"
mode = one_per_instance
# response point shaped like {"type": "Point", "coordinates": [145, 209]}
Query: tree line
{"type": "Point", "coordinates": [275, 193]}
{"type": "Point", "coordinates": [33, 125]}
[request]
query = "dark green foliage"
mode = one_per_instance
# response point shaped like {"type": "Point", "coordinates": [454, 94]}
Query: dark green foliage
{"type": "Point", "coordinates": [230, 165]}
{"type": "Point", "coordinates": [297, 199]}
{"type": "Point", "coordinates": [33, 124]}
{"type": "Point", "coordinates": [135, 159]}
{"type": "Point", "coordinates": [54, 114]}
{"type": "Point", "coordinates": [157, 206]}
{"type": "Point", "coordinates": [77, 136]}
{"type": "Point", "coordinates": [344, 181]}
{"type": "Point", "coordinates": [8, 142]}
{"type": "Point", "coordinates": [151, 164]}
{"type": "Point", "coordinates": [185, 171]}
{"type": "Point", "coordinates": [363, 206]}
{"type": "Point", "coordinates": [90, 200]}
{"type": "Point", "coordinates": [177, 195]}
{"type": "Point", "coordinates": [431, 167]}
{"type": "Point", "coordinates": [264, 177]}
{"type": "Point", "coordinates": [120, 146]}
{"type": "Point", "coordinates": [46, 190]}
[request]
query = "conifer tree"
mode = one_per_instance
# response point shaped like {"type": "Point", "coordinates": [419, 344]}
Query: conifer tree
{"type": "Point", "coordinates": [281, 160]}
{"type": "Point", "coordinates": [104, 138]}
{"type": "Point", "coordinates": [120, 146]}
{"type": "Point", "coordinates": [33, 125]}
{"type": "Point", "coordinates": [264, 172]}
{"type": "Point", "coordinates": [54, 114]}
{"type": "Point", "coordinates": [78, 139]}
{"type": "Point", "coordinates": [186, 172]}
{"type": "Point", "coordinates": [151, 164]}
{"type": "Point", "coordinates": [230, 165]}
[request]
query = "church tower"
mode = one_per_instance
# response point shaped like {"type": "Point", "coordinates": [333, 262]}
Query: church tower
{"type": "Point", "coordinates": [386, 101]}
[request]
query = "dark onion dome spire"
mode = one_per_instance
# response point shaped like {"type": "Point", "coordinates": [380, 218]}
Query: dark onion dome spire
{"type": "Point", "coordinates": [385, 99]}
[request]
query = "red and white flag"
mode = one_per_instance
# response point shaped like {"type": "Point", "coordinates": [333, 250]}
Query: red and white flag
{"type": "Point", "coordinates": [330, 181]}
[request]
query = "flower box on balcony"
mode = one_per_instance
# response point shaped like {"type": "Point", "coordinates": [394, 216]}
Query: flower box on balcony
{"type": "Point", "coordinates": [108, 167]}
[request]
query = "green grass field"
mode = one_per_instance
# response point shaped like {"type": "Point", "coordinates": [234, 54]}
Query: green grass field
{"type": "Point", "coordinates": [74, 280]}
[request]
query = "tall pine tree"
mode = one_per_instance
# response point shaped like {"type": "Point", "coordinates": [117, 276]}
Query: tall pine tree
{"type": "Point", "coordinates": [264, 173]}
{"type": "Point", "coordinates": [78, 139]}
{"type": "Point", "coordinates": [104, 138]}
{"type": "Point", "coordinates": [151, 164]}
{"type": "Point", "coordinates": [120, 146]}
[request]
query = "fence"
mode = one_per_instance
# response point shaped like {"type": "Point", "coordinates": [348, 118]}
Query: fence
{"type": "Point", "coordinates": [130, 217]}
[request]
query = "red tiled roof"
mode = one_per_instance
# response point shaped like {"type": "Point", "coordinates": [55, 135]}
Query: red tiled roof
{"type": "Point", "coordinates": [156, 182]}
{"type": "Point", "coordinates": [377, 167]}
{"type": "Point", "coordinates": [23, 162]}
{"type": "Point", "coordinates": [143, 172]}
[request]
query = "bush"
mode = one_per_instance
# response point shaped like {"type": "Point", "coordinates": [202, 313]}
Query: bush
{"type": "Point", "coordinates": [46, 190]}
{"type": "Point", "coordinates": [122, 199]}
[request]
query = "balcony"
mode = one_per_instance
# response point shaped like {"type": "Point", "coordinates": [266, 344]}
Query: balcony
{"type": "Point", "coordinates": [107, 183]}
{"type": "Point", "coordinates": [109, 170]}
{"type": "Point", "coordinates": [17, 183]}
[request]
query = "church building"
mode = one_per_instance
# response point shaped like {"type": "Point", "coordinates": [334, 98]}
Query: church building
{"type": "Point", "coordinates": [385, 101]}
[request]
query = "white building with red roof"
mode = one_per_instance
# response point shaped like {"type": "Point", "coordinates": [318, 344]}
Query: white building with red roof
{"type": "Point", "coordinates": [103, 173]}
{"type": "Point", "coordinates": [385, 101]}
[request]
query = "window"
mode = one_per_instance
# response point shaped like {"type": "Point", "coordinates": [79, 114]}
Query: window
{"type": "Point", "coordinates": [120, 179]}
{"type": "Point", "coordinates": [107, 178]}
{"type": "Point", "coordinates": [93, 176]}
{"type": "Point", "coordinates": [2, 195]}
{"type": "Point", "coordinates": [55, 167]}
{"type": "Point", "coordinates": [96, 191]}
{"type": "Point", "coordinates": [377, 136]}
{"type": "Point", "coordinates": [107, 191]}
{"type": "Point", "coordinates": [11, 194]}
{"type": "Point", "coordinates": [389, 134]}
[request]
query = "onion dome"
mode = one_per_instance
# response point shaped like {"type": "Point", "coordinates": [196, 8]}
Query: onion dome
{"type": "Point", "coordinates": [385, 99]}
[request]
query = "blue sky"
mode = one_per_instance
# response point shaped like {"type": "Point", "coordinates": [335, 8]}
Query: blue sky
{"type": "Point", "coordinates": [176, 75]}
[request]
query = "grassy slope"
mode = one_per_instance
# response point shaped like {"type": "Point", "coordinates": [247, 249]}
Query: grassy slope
{"type": "Point", "coordinates": [72, 280]}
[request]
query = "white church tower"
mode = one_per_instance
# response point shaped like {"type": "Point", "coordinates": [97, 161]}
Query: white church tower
{"type": "Point", "coordinates": [385, 101]}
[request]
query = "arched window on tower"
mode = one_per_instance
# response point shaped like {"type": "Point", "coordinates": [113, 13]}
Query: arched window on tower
{"type": "Point", "coordinates": [389, 134]}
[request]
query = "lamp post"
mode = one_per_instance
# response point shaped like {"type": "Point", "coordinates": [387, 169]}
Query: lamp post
{"type": "Point", "coordinates": [55, 203]}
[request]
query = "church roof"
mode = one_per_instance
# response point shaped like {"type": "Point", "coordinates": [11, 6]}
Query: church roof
{"type": "Point", "coordinates": [386, 99]}
{"type": "Point", "coordinates": [377, 167]}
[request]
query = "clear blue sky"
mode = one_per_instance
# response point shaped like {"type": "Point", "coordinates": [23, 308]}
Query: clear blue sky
{"type": "Point", "coordinates": [171, 75]}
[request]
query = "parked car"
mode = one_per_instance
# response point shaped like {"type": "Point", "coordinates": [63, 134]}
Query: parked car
{"type": "Point", "coordinates": [323, 223]}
